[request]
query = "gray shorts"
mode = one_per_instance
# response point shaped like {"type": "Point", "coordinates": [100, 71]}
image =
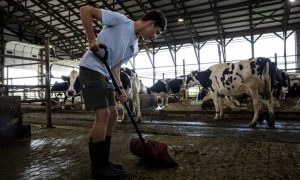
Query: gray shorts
{"type": "Point", "coordinates": [98, 92]}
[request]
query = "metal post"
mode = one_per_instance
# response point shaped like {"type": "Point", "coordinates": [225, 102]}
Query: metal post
{"type": "Point", "coordinates": [252, 45]}
{"type": "Point", "coordinates": [276, 59]}
{"type": "Point", "coordinates": [7, 83]}
{"type": "Point", "coordinates": [2, 44]}
{"type": "Point", "coordinates": [47, 76]}
{"type": "Point", "coordinates": [284, 50]}
{"type": "Point", "coordinates": [219, 51]}
{"type": "Point", "coordinates": [198, 50]}
{"type": "Point", "coordinates": [175, 60]}
{"type": "Point", "coordinates": [183, 63]}
{"type": "Point", "coordinates": [154, 69]}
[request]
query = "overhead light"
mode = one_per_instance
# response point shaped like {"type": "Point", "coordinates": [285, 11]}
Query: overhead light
{"type": "Point", "coordinates": [180, 20]}
{"type": "Point", "coordinates": [292, 0]}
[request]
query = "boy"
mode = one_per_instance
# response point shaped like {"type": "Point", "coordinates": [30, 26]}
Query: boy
{"type": "Point", "coordinates": [120, 35]}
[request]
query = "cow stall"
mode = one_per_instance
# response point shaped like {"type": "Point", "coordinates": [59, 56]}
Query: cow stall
{"type": "Point", "coordinates": [26, 66]}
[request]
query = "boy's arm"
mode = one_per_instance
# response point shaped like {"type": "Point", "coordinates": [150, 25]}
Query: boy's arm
{"type": "Point", "coordinates": [87, 14]}
{"type": "Point", "coordinates": [116, 72]}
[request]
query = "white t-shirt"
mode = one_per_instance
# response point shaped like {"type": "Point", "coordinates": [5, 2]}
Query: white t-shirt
{"type": "Point", "coordinates": [119, 36]}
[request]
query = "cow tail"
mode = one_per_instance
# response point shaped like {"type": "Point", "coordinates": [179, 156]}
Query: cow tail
{"type": "Point", "coordinates": [272, 74]}
{"type": "Point", "coordinates": [267, 75]}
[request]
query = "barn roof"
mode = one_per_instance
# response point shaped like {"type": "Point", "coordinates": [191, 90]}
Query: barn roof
{"type": "Point", "coordinates": [59, 20]}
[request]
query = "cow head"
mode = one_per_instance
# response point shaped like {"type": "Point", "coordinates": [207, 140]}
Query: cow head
{"type": "Point", "coordinates": [201, 78]}
{"type": "Point", "coordinates": [159, 86]}
{"type": "Point", "coordinates": [191, 79]}
{"type": "Point", "coordinates": [294, 89]}
{"type": "Point", "coordinates": [282, 84]}
{"type": "Point", "coordinates": [285, 83]}
{"type": "Point", "coordinates": [73, 81]}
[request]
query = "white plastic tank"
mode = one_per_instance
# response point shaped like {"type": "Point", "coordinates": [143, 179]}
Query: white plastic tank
{"type": "Point", "coordinates": [23, 50]}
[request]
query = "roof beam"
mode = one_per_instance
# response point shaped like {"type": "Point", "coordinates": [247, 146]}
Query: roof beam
{"type": "Point", "coordinates": [46, 25]}
{"type": "Point", "coordinates": [187, 27]}
{"type": "Point", "coordinates": [40, 35]}
{"type": "Point", "coordinates": [62, 20]}
{"type": "Point", "coordinates": [221, 32]}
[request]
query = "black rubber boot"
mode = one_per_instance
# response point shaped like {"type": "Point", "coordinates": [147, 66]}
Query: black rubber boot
{"type": "Point", "coordinates": [114, 165]}
{"type": "Point", "coordinates": [100, 168]}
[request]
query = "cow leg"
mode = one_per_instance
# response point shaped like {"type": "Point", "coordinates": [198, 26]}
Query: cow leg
{"type": "Point", "coordinates": [270, 119]}
{"type": "Point", "coordinates": [217, 107]}
{"type": "Point", "coordinates": [161, 101]}
{"type": "Point", "coordinates": [82, 101]}
{"type": "Point", "coordinates": [164, 100]}
{"type": "Point", "coordinates": [221, 106]}
{"type": "Point", "coordinates": [72, 103]}
{"type": "Point", "coordinates": [131, 107]}
{"type": "Point", "coordinates": [65, 100]}
{"type": "Point", "coordinates": [123, 114]}
{"type": "Point", "coordinates": [256, 107]}
{"type": "Point", "coordinates": [167, 100]}
{"type": "Point", "coordinates": [138, 108]}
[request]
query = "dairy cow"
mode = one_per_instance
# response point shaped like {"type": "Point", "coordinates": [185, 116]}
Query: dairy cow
{"type": "Point", "coordinates": [166, 87]}
{"type": "Point", "coordinates": [58, 89]}
{"type": "Point", "coordinates": [295, 92]}
{"type": "Point", "coordinates": [282, 83]}
{"type": "Point", "coordinates": [71, 87]}
{"type": "Point", "coordinates": [132, 86]}
{"type": "Point", "coordinates": [254, 78]}
{"type": "Point", "coordinates": [294, 88]}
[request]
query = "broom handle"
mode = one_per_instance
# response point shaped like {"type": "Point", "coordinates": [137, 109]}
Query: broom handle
{"type": "Point", "coordinates": [119, 92]}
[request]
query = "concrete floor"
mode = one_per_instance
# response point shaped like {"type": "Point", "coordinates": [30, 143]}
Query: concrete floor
{"type": "Point", "coordinates": [203, 150]}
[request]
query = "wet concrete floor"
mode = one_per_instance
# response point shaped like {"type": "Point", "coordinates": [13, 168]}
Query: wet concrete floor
{"type": "Point", "coordinates": [203, 149]}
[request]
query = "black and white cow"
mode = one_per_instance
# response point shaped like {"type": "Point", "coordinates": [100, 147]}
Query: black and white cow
{"type": "Point", "coordinates": [282, 83]}
{"type": "Point", "coordinates": [71, 87]}
{"type": "Point", "coordinates": [165, 87]}
{"type": "Point", "coordinates": [131, 85]}
{"type": "Point", "coordinates": [294, 89]}
{"type": "Point", "coordinates": [295, 92]}
{"type": "Point", "coordinates": [254, 78]}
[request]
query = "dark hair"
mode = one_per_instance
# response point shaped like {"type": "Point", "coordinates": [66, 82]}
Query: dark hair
{"type": "Point", "coordinates": [158, 17]}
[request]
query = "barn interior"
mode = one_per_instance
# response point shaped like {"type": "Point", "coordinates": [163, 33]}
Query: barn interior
{"type": "Point", "coordinates": [41, 137]}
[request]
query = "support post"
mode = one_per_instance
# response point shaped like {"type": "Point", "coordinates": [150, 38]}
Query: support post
{"type": "Point", "coordinates": [297, 41]}
{"type": "Point", "coordinates": [47, 77]}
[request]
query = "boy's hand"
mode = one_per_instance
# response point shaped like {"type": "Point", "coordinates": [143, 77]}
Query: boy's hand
{"type": "Point", "coordinates": [122, 97]}
{"type": "Point", "coordinates": [94, 45]}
